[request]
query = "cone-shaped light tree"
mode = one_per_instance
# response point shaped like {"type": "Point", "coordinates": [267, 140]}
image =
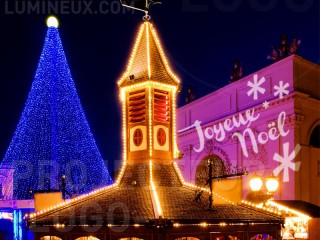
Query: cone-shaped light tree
{"type": "Point", "coordinates": [53, 146]}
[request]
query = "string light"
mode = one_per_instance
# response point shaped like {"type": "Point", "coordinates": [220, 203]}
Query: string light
{"type": "Point", "coordinates": [96, 192]}
{"type": "Point", "coordinates": [163, 56]}
{"type": "Point", "coordinates": [53, 137]}
{"type": "Point", "coordinates": [203, 224]}
{"type": "Point", "coordinates": [155, 194]}
{"type": "Point", "coordinates": [133, 54]}
{"type": "Point", "coordinates": [174, 136]}
{"type": "Point", "coordinates": [124, 128]}
{"type": "Point", "coordinates": [284, 208]}
{"type": "Point", "coordinates": [261, 207]}
{"type": "Point", "coordinates": [150, 120]}
{"type": "Point", "coordinates": [158, 85]}
{"type": "Point", "coordinates": [148, 27]}
{"type": "Point", "coordinates": [148, 51]}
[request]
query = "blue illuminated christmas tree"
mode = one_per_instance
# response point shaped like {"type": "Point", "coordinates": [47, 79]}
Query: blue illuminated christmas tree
{"type": "Point", "coordinates": [53, 141]}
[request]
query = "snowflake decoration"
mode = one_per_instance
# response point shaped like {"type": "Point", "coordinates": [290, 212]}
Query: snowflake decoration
{"type": "Point", "coordinates": [265, 105]}
{"type": "Point", "coordinates": [281, 89]}
{"type": "Point", "coordinates": [256, 87]}
{"type": "Point", "coordinates": [286, 161]}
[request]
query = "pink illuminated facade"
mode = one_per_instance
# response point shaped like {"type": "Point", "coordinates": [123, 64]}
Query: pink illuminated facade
{"type": "Point", "coordinates": [267, 121]}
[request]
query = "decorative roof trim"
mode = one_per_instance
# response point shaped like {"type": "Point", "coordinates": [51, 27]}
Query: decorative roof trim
{"type": "Point", "coordinates": [162, 54]}
{"type": "Point", "coordinates": [133, 55]}
{"type": "Point", "coordinates": [154, 196]}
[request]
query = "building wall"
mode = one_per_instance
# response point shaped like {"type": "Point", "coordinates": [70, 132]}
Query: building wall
{"type": "Point", "coordinates": [298, 109]}
{"type": "Point", "coordinates": [314, 226]}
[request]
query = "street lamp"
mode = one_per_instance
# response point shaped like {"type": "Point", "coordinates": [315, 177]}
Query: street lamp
{"type": "Point", "coordinates": [272, 184]}
{"type": "Point", "coordinates": [256, 182]}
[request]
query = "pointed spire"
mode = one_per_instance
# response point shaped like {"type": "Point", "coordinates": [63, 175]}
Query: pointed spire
{"type": "Point", "coordinates": [148, 61]}
{"type": "Point", "coordinates": [53, 138]}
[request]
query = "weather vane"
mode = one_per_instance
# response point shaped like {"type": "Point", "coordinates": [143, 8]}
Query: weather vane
{"type": "Point", "coordinates": [141, 5]}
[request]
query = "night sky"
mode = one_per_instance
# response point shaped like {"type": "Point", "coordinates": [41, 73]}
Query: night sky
{"type": "Point", "coordinates": [201, 38]}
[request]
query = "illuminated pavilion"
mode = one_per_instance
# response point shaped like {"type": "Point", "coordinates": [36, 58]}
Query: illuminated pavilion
{"type": "Point", "coordinates": [150, 199]}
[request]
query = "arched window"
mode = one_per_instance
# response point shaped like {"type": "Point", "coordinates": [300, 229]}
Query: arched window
{"type": "Point", "coordinates": [87, 238]}
{"type": "Point", "coordinates": [50, 238]}
{"type": "Point", "coordinates": [228, 237]}
{"type": "Point", "coordinates": [315, 137]}
{"type": "Point", "coordinates": [187, 238]}
{"type": "Point", "coordinates": [202, 172]}
{"type": "Point", "coordinates": [262, 237]}
{"type": "Point", "coordinates": [130, 238]}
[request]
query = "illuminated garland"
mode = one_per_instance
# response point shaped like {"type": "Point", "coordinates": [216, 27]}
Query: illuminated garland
{"type": "Point", "coordinates": [53, 137]}
{"type": "Point", "coordinates": [282, 208]}
{"type": "Point", "coordinates": [261, 206]}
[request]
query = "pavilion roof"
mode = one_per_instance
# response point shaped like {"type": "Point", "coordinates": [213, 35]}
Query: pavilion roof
{"type": "Point", "coordinates": [131, 201]}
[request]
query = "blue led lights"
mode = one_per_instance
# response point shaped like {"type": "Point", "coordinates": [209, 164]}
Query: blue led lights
{"type": "Point", "coordinates": [53, 138]}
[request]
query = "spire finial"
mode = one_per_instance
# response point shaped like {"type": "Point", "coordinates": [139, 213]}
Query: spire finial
{"type": "Point", "coordinates": [146, 17]}
{"type": "Point", "coordinates": [141, 5]}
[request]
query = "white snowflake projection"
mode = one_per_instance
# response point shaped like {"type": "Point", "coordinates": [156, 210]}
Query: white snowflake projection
{"type": "Point", "coordinates": [286, 161]}
{"type": "Point", "coordinates": [265, 105]}
{"type": "Point", "coordinates": [281, 89]}
{"type": "Point", "coordinates": [256, 87]}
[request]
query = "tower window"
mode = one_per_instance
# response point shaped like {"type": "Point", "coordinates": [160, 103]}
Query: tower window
{"type": "Point", "coordinates": [137, 137]}
{"type": "Point", "coordinates": [161, 106]}
{"type": "Point", "coordinates": [137, 106]}
{"type": "Point", "coordinates": [161, 136]}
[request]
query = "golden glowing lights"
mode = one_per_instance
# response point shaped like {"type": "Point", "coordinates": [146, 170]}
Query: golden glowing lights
{"type": "Point", "coordinates": [175, 146]}
{"type": "Point", "coordinates": [150, 31]}
{"type": "Point", "coordinates": [278, 209]}
{"type": "Point", "coordinates": [159, 46]}
{"type": "Point", "coordinates": [255, 183]}
{"type": "Point", "coordinates": [124, 129]}
{"type": "Point", "coordinates": [122, 95]}
{"type": "Point", "coordinates": [145, 84]}
{"type": "Point", "coordinates": [203, 224]}
{"type": "Point", "coordinates": [69, 201]}
{"type": "Point", "coordinates": [288, 210]}
{"type": "Point", "coordinates": [120, 174]}
{"type": "Point", "coordinates": [133, 54]}
{"type": "Point", "coordinates": [59, 225]}
{"type": "Point", "coordinates": [262, 207]}
{"type": "Point", "coordinates": [155, 197]}
{"type": "Point", "coordinates": [150, 120]}
{"type": "Point", "coordinates": [148, 51]}
{"type": "Point", "coordinates": [272, 184]}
